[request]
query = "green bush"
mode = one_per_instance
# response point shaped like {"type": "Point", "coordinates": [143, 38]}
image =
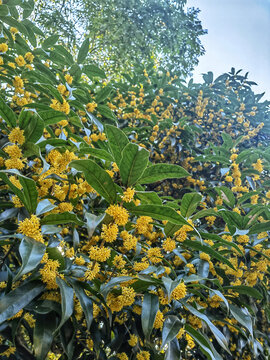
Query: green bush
{"type": "Point", "coordinates": [134, 215]}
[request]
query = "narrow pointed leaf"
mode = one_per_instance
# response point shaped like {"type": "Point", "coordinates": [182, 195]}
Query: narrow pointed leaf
{"type": "Point", "coordinates": [17, 299]}
{"type": "Point", "coordinates": [67, 302]}
{"type": "Point", "coordinates": [84, 49]}
{"type": "Point", "coordinates": [62, 218]}
{"type": "Point", "coordinates": [45, 326]}
{"type": "Point", "coordinates": [7, 114]}
{"type": "Point", "coordinates": [85, 301]}
{"type": "Point", "coordinates": [171, 327]}
{"type": "Point", "coordinates": [150, 308]}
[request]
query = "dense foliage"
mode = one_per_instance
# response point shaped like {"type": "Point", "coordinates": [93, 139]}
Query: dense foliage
{"type": "Point", "coordinates": [122, 33]}
{"type": "Point", "coordinates": [135, 214]}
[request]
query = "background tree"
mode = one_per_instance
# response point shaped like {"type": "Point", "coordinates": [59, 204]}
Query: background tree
{"type": "Point", "coordinates": [125, 32]}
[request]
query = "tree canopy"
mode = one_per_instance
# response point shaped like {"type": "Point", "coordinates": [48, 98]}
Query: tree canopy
{"type": "Point", "coordinates": [125, 32]}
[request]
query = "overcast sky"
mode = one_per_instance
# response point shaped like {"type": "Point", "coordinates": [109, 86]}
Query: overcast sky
{"type": "Point", "coordinates": [238, 36]}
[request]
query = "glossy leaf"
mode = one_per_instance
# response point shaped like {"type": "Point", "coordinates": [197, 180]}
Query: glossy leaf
{"type": "Point", "coordinates": [85, 301]}
{"type": "Point", "coordinates": [170, 329]}
{"type": "Point", "coordinates": [31, 253]}
{"type": "Point", "coordinates": [17, 299]}
{"type": "Point", "coordinates": [98, 178]}
{"type": "Point", "coordinates": [189, 204]}
{"type": "Point", "coordinates": [45, 326]}
{"type": "Point", "coordinates": [159, 172]}
{"type": "Point", "coordinates": [67, 302]}
{"type": "Point", "coordinates": [62, 218]}
{"type": "Point", "coordinates": [133, 163]}
{"type": "Point", "coordinates": [117, 140]}
{"type": "Point", "coordinates": [150, 308]}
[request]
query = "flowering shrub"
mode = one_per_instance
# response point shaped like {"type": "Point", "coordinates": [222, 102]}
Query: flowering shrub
{"type": "Point", "coordinates": [132, 227]}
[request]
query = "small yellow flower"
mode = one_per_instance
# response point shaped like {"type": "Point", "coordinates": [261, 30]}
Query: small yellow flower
{"type": "Point", "coordinates": [3, 47]}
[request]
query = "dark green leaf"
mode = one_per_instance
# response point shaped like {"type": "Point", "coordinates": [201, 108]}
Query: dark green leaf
{"type": "Point", "coordinates": [67, 302]}
{"type": "Point", "coordinates": [197, 245]}
{"type": "Point", "coordinates": [133, 163]}
{"type": "Point", "coordinates": [189, 204]}
{"type": "Point", "coordinates": [93, 71]}
{"type": "Point", "coordinates": [17, 299]}
{"type": "Point", "coordinates": [50, 41]}
{"type": "Point", "coordinates": [160, 172]}
{"type": "Point", "coordinates": [171, 327]}
{"type": "Point", "coordinates": [85, 301]}
{"type": "Point", "coordinates": [7, 114]}
{"type": "Point", "coordinates": [62, 218]}
{"type": "Point", "coordinates": [83, 51]}
{"type": "Point", "coordinates": [150, 307]}
{"type": "Point", "coordinates": [98, 178]}
{"type": "Point", "coordinates": [43, 334]}
{"type": "Point", "coordinates": [117, 141]}
{"type": "Point", "coordinates": [31, 253]}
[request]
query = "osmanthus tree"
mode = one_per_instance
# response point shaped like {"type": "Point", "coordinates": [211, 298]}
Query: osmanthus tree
{"type": "Point", "coordinates": [122, 33]}
{"type": "Point", "coordinates": [97, 263]}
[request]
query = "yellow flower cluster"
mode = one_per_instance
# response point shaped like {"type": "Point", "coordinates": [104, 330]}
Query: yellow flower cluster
{"type": "Point", "coordinates": [179, 292]}
{"type": "Point", "coordinates": [31, 227]}
{"type": "Point", "coordinates": [99, 254]}
{"type": "Point", "coordinates": [109, 232]}
{"type": "Point", "coordinates": [49, 272]}
{"type": "Point", "coordinates": [119, 214]}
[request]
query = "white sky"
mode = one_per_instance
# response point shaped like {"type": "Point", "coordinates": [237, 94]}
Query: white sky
{"type": "Point", "coordinates": [238, 36]}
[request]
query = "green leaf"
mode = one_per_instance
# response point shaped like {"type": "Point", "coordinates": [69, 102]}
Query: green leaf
{"type": "Point", "coordinates": [106, 112]}
{"type": "Point", "coordinates": [67, 302]}
{"type": "Point", "coordinates": [17, 299]}
{"type": "Point", "coordinates": [217, 333]}
{"type": "Point", "coordinates": [92, 222]}
{"type": "Point", "coordinates": [203, 213]}
{"type": "Point", "coordinates": [3, 10]}
{"type": "Point", "coordinates": [242, 316]}
{"type": "Point", "coordinates": [173, 351]}
{"type": "Point", "coordinates": [97, 153]}
{"type": "Point", "coordinates": [31, 253]}
{"type": "Point", "coordinates": [103, 94]}
{"type": "Point", "coordinates": [7, 114]}
{"type": "Point", "coordinates": [261, 227]}
{"type": "Point", "coordinates": [117, 140]}
{"type": "Point", "coordinates": [85, 301]}
{"type": "Point", "coordinates": [171, 327]}
{"type": "Point", "coordinates": [105, 288]}
{"type": "Point", "coordinates": [149, 197]}
{"type": "Point", "coordinates": [44, 206]}
{"type": "Point", "coordinates": [83, 51]}
{"type": "Point", "coordinates": [246, 290]}
{"type": "Point", "coordinates": [227, 195]}
{"type": "Point", "coordinates": [203, 341]}
{"type": "Point", "coordinates": [97, 177]}
{"type": "Point", "coordinates": [45, 326]}
{"type": "Point", "coordinates": [93, 71]}
{"type": "Point", "coordinates": [160, 172]}
{"type": "Point", "coordinates": [232, 218]}
{"type": "Point", "coordinates": [150, 307]}
{"type": "Point", "coordinates": [33, 130]}
{"type": "Point", "coordinates": [51, 117]}
{"type": "Point", "coordinates": [158, 212]}
{"type": "Point", "coordinates": [50, 41]}
{"type": "Point", "coordinates": [62, 218]}
{"type": "Point", "coordinates": [133, 163]}
{"type": "Point", "coordinates": [197, 245]}
{"type": "Point", "coordinates": [189, 204]}
{"type": "Point", "coordinates": [28, 195]}
{"type": "Point", "coordinates": [222, 241]}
